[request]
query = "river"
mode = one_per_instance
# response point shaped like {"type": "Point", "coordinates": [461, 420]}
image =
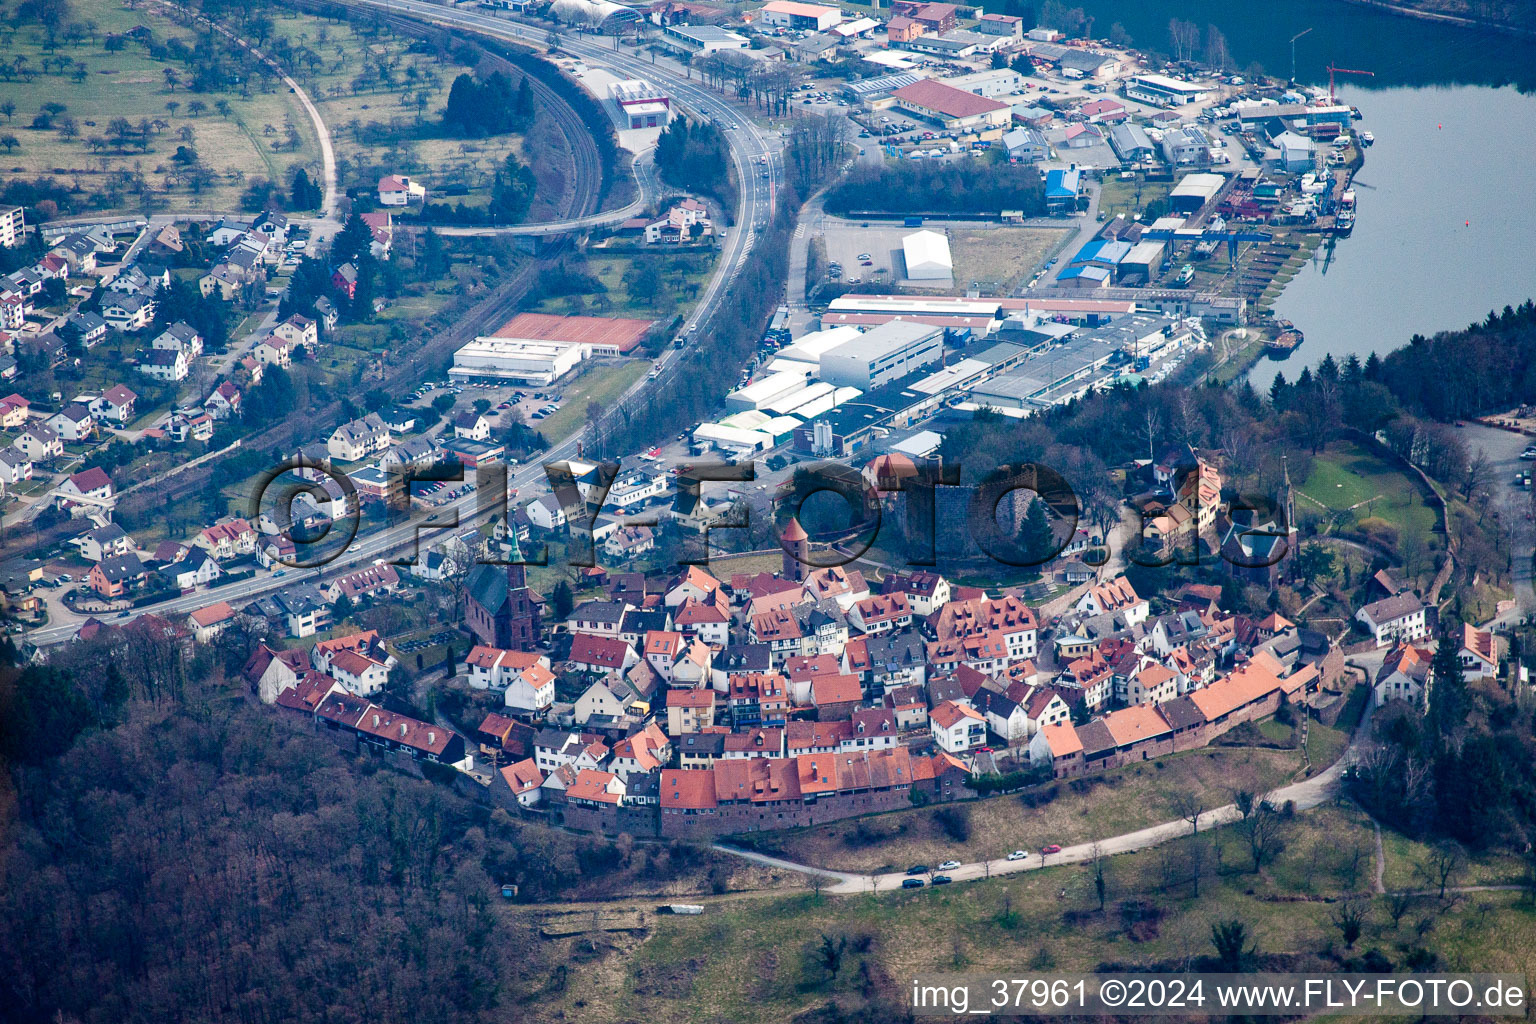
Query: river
{"type": "Point", "coordinates": [1444, 194]}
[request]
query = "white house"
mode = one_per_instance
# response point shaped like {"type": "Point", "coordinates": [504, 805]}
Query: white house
{"type": "Point", "coordinates": [274, 351]}
{"type": "Point", "coordinates": [546, 513]}
{"type": "Point", "coordinates": [299, 330]}
{"type": "Point", "coordinates": [115, 404]}
{"type": "Point", "coordinates": [74, 422]}
{"type": "Point", "coordinates": [179, 337]}
{"type": "Point", "coordinates": [957, 728]}
{"type": "Point", "coordinates": [358, 673]}
{"type": "Point", "coordinates": [128, 312]}
{"type": "Point", "coordinates": [14, 467]}
{"type": "Point", "coordinates": [1401, 617]}
{"type": "Point", "coordinates": [38, 442]}
{"type": "Point", "coordinates": [1116, 595]}
{"type": "Point", "coordinates": [399, 190]}
{"type": "Point", "coordinates": [87, 489]}
{"type": "Point", "coordinates": [532, 689]}
{"type": "Point", "coordinates": [224, 402]}
{"type": "Point", "coordinates": [525, 780]}
{"type": "Point", "coordinates": [165, 364]}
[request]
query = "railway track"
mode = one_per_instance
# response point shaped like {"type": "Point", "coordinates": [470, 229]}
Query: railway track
{"type": "Point", "coordinates": [581, 197]}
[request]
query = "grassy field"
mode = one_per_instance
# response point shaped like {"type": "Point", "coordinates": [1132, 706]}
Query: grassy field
{"type": "Point", "coordinates": [1000, 257]}
{"type": "Point", "coordinates": [682, 277]}
{"type": "Point", "coordinates": [1119, 195]}
{"type": "Point", "coordinates": [600, 383]}
{"type": "Point", "coordinates": [382, 96]}
{"type": "Point", "coordinates": [98, 85]}
{"type": "Point", "coordinates": [1346, 477]}
{"type": "Point", "coordinates": [1082, 810]}
{"type": "Point", "coordinates": [752, 960]}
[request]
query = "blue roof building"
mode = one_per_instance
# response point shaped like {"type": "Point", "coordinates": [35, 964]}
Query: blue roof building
{"type": "Point", "coordinates": [1062, 184]}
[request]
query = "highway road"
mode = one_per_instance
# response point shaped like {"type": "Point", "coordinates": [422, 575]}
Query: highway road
{"type": "Point", "coordinates": [749, 148]}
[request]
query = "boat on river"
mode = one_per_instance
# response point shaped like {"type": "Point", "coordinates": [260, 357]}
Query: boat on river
{"type": "Point", "coordinates": [1287, 336]}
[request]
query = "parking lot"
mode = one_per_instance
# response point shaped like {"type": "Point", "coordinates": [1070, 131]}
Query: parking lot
{"type": "Point", "coordinates": [866, 253]}
{"type": "Point", "coordinates": [531, 403]}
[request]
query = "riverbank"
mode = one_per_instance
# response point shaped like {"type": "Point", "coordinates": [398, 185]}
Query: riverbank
{"type": "Point", "coordinates": [1412, 9]}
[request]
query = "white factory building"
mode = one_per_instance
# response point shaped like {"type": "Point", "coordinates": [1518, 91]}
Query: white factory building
{"type": "Point", "coordinates": [927, 257]}
{"type": "Point", "coordinates": [516, 359]}
{"type": "Point", "coordinates": [641, 104]}
{"type": "Point", "coordinates": [883, 354]}
{"type": "Point", "coordinates": [761, 392]}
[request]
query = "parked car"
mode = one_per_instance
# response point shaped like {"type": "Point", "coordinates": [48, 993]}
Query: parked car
{"type": "Point", "coordinates": [1529, 453]}
{"type": "Point", "coordinates": [918, 869]}
{"type": "Point", "coordinates": [1018, 855]}
{"type": "Point", "coordinates": [949, 865]}
{"type": "Point", "coordinates": [942, 879]}
{"type": "Point", "coordinates": [911, 883]}
{"type": "Point", "coordinates": [1049, 848]}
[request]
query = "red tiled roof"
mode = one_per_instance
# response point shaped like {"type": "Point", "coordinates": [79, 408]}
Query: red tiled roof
{"type": "Point", "coordinates": [946, 99]}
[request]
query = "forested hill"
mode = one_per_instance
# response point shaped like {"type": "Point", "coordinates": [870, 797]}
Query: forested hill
{"type": "Point", "coordinates": [171, 850]}
{"type": "Point", "coordinates": [1489, 367]}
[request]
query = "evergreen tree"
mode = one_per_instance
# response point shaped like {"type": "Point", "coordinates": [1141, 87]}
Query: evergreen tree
{"type": "Point", "coordinates": [512, 192]}
{"type": "Point", "coordinates": [1448, 688]}
{"type": "Point", "coordinates": [561, 601]}
{"type": "Point", "coordinates": [304, 193]}
{"type": "Point", "coordinates": [1035, 536]}
{"type": "Point", "coordinates": [1277, 391]}
{"type": "Point", "coordinates": [433, 261]}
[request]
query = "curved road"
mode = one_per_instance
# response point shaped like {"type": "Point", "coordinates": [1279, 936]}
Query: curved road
{"type": "Point", "coordinates": [646, 183]}
{"type": "Point", "coordinates": [322, 133]}
{"type": "Point", "coordinates": [748, 146]}
{"type": "Point", "coordinates": [1307, 794]}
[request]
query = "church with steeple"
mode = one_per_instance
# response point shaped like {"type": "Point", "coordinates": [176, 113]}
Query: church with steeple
{"type": "Point", "coordinates": [498, 606]}
{"type": "Point", "coordinates": [1257, 547]}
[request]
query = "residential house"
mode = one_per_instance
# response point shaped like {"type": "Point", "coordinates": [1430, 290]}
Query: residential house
{"type": "Point", "coordinates": [89, 490]}
{"type": "Point", "coordinates": [179, 337]}
{"type": "Point", "coordinates": [38, 442]}
{"type": "Point", "coordinates": [957, 728]}
{"type": "Point", "coordinates": [74, 422]}
{"type": "Point", "coordinates": [274, 351]}
{"type": "Point", "coordinates": [690, 711]}
{"type": "Point", "coordinates": [115, 404]}
{"type": "Point", "coordinates": [299, 330]}
{"type": "Point", "coordinates": [358, 438]}
{"type": "Point", "coordinates": [128, 312]}
{"type": "Point", "coordinates": [1405, 674]}
{"type": "Point", "coordinates": [1401, 617]}
{"type": "Point", "coordinates": [1478, 653]}
{"type": "Point", "coordinates": [103, 542]}
{"type": "Point", "coordinates": [881, 613]}
{"type": "Point", "coordinates": [600, 655]}
{"type": "Point", "coordinates": [194, 569]}
{"type": "Point", "coordinates": [14, 467]}
{"type": "Point", "coordinates": [224, 401]}
{"type": "Point", "coordinates": [165, 365]}
{"type": "Point", "coordinates": [399, 190]}
{"type": "Point", "coordinates": [1115, 596]}
{"type": "Point", "coordinates": [114, 577]}
{"type": "Point", "coordinates": [524, 780]}
{"type": "Point", "coordinates": [228, 538]}
{"type": "Point", "coordinates": [90, 327]}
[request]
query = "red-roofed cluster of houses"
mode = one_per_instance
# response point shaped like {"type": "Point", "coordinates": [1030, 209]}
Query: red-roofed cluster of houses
{"type": "Point", "coordinates": [699, 707]}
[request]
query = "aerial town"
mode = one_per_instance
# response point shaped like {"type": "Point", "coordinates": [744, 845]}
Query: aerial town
{"type": "Point", "coordinates": [675, 491]}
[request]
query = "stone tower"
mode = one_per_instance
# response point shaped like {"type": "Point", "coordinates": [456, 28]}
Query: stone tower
{"type": "Point", "coordinates": [797, 550]}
